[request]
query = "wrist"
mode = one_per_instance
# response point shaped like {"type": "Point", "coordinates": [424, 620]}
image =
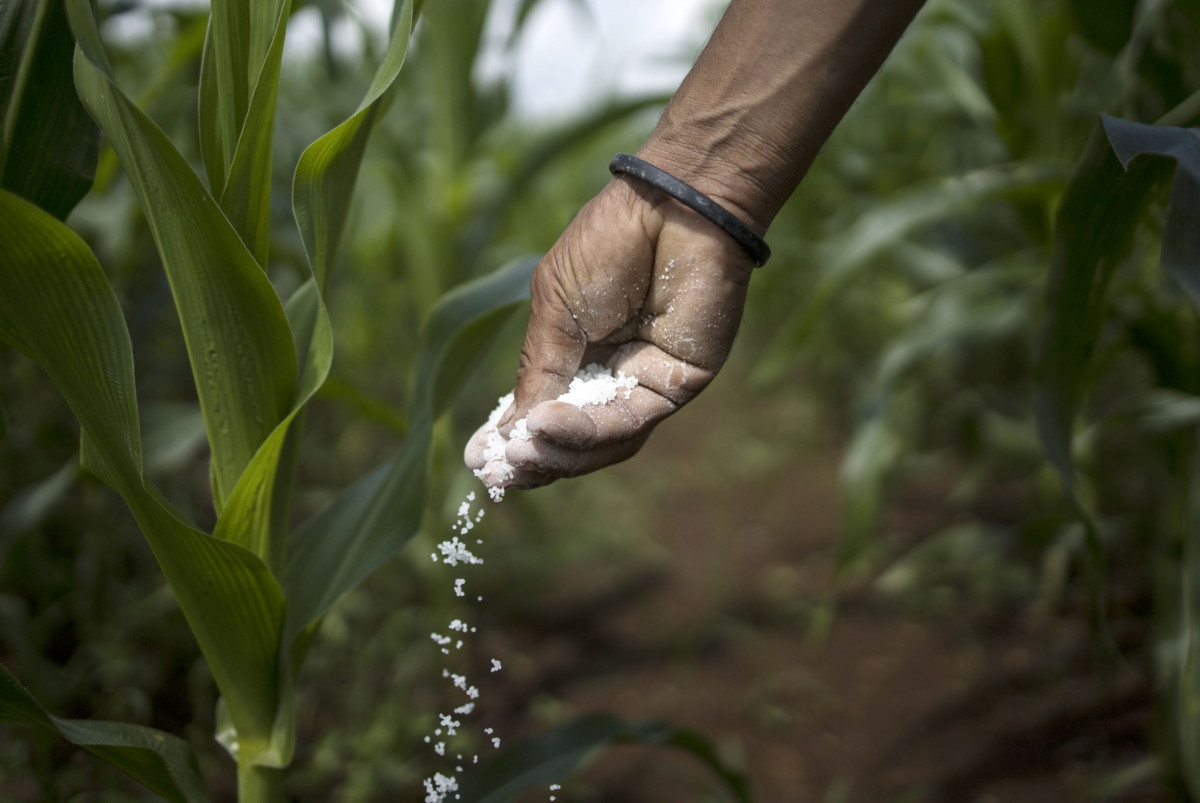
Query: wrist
{"type": "Point", "coordinates": [742, 177]}
{"type": "Point", "coordinates": [705, 206]}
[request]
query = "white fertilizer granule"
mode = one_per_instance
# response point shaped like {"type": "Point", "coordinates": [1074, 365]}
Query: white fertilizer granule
{"type": "Point", "coordinates": [439, 787]}
{"type": "Point", "coordinates": [594, 384]}
{"type": "Point", "coordinates": [520, 431]}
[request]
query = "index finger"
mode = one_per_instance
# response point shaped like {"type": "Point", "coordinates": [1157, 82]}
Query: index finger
{"type": "Point", "coordinates": [665, 383]}
{"type": "Point", "coordinates": [554, 343]}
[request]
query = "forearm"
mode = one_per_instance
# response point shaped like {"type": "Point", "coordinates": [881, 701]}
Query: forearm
{"type": "Point", "coordinates": [653, 291]}
{"type": "Point", "coordinates": [767, 91]}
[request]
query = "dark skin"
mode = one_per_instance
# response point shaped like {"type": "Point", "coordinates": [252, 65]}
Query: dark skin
{"type": "Point", "coordinates": [644, 285]}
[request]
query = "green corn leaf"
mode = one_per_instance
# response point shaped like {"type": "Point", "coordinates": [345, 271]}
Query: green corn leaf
{"type": "Point", "coordinates": [882, 228]}
{"type": "Point", "coordinates": [256, 515]}
{"type": "Point", "coordinates": [314, 338]}
{"type": "Point", "coordinates": [1177, 148]}
{"type": "Point", "coordinates": [57, 307]}
{"type": "Point", "coordinates": [172, 434]}
{"type": "Point", "coordinates": [323, 184]}
{"type": "Point", "coordinates": [369, 522]}
{"type": "Point", "coordinates": [165, 764]}
{"type": "Point", "coordinates": [209, 97]}
{"type": "Point", "coordinates": [872, 457]}
{"type": "Point", "coordinates": [184, 52]}
{"type": "Point", "coordinates": [30, 506]}
{"type": "Point", "coordinates": [450, 44]}
{"type": "Point", "coordinates": [328, 168]}
{"type": "Point", "coordinates": [365, 406]}
{"type": "Point", "coordinates": [1148, 152]}
{"type": "Point", "coordinates": [1093, 231]}
{"type": "Point", "coordinates": [237, 335]}
{"type": "Point", "coordinates": [545, 154]}
{"type": "Point", "coordinates": [1163, 409]}
{"type": "Point", "coordinates": [246, 191]}
{"type": "Point", "coordinates": [240, 38]}
{"type": "Point", "coordinates": [358, 531]}
{"type": "Point", "coordinates": [552, 756]}
{"type": "Point", "coordinates": [1188, 704]}
{"type": "Point", "coordinates": [974, 306]}
{"type": "Point", "coordinates": [257, 511]}
{"type": "Point", "coordinates": [1187, 113]}
{"type": "Point", "coordinates": [459, 331]}
{"type": "Point", "coordinates": [1106, 26]}
{"type": "Point", "coordinates": [48, 144]}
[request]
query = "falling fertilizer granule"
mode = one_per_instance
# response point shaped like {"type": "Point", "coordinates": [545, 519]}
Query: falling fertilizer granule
{"type": "Point", "coordinates": [593, 385]}
{"type": "Point", "coordinates": [440, 788]}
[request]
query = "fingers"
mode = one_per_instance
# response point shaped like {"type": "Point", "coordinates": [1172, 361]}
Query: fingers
{"type": "Point", "coordinates": [493, 469]}
{"type": "Point", "coordinates": [599, 426]}
{"type": "Point", "coordinates": [567, 440]}
{"type": "Point", "coordinates": [473, 454]}
{"type": "Point", "coordinates": [664, 384]}
{"type": "Point", "coordinates": [543, 461]}
{"type": "Point", "coordinates": [554, 342]}
{"type": "Point", "coordinates": [588, 287]}
{"type": "Point", "coordinates": [657, 295]}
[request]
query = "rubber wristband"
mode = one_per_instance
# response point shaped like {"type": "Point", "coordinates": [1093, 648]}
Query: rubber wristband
{"type": "Point", "coordinates": [695, 200]}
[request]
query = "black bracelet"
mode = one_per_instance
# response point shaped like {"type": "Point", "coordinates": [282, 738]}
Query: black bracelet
{"type": "Point", "coordinates": [692, 198]}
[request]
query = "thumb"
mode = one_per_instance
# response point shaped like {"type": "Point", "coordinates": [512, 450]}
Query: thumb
{"type": "Point", "coordinates": [554, 345]}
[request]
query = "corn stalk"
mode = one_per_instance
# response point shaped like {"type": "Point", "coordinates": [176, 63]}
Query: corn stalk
{"type": "Point", "coordinates": [252, 591]}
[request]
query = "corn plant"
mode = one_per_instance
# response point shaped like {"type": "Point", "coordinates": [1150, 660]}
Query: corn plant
{"type": "Point", "coordinates": [254, 590]}
{"type": "Point", "coordinates": [1096, 223]}
{"type": "Point", "coordinates": [951, 252]}
{"type": "Point", "coordinates": [463, 184]}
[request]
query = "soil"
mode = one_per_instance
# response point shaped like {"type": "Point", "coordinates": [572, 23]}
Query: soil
{"type": "Point", "coordinates": [1004, 702]}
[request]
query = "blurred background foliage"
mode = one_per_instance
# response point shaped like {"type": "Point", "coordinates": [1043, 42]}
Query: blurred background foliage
{"type": "Point", "coordinates": [887, 347]}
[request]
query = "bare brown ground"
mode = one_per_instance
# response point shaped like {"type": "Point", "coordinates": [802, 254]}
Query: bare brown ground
{"type": "Point", "coordinates": [971, 706]}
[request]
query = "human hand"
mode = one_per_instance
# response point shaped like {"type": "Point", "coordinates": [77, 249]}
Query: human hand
{"type": "Point", "coordinates": [637, 283]}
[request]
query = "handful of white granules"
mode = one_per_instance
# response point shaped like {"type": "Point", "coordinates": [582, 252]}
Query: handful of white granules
{"type": "Point", "coordinates": [594, 384]}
